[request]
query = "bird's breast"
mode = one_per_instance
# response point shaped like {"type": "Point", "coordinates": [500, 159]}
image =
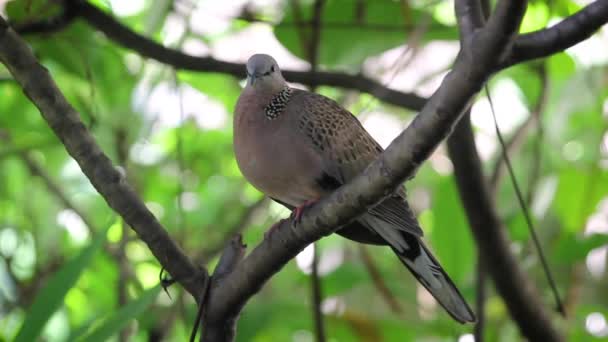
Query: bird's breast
{"type": "Point", "coordinates": [274, 160]}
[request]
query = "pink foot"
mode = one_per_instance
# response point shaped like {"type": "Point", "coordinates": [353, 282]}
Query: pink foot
{"type": "Point", "coordinates": [297, 212]}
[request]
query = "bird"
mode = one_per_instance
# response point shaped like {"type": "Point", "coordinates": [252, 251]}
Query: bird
{"type": "Point", "coordinates": [297, 146]}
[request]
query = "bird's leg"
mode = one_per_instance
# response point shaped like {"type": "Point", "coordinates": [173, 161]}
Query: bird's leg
{"type": "Point", "coordinates": [298, 211]}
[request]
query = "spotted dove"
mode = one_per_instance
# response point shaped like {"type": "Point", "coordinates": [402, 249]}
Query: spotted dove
{"type": "Point", "coordinates": [297, 146]}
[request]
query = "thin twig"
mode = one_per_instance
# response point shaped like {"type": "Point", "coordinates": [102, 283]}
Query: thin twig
{"type": "Point", "coordinates": [179, 132]}
{"type": "Point", "coordinates": [527, 216]}
{"type": "Point", "coordinates": [342, 26]}
{"type": "Point", "coordinates": [317, 297]}
{"type": "Point", "coordinates": [517, 139]}
{"type": "Point", "coordinates": [386, 293]}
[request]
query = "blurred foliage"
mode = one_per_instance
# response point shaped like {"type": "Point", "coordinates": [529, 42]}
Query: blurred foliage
{"type": "Point", "coordinates": [171, 132]}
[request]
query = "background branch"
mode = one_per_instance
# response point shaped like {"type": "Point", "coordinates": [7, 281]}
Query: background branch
{"type": "Point", "coordinates": [520, 297]}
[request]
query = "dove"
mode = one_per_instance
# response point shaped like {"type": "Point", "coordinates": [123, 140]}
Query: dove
{"type": "Point", "coordinates": [297, 146]}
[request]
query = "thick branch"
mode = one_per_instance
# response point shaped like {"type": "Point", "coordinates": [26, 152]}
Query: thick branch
{"type": "Point", "coordinates": [510, 281]}
{"type": "Point", "coordinates": [559, 37]}
{"type": "Point", "coordinates": [396, 164]}
{"type": "Point", "coordinates": [470, 17]}
{"type": "Point", "coordinates": [65, 122]}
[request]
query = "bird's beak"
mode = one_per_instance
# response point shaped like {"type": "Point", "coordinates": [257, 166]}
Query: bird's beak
{"type": "Point", "coordinates": [251, 78]}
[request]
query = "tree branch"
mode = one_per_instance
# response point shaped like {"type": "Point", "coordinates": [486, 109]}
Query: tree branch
{"type": "Point", "coordinates": [40, 88]}
{"type": "Point", "coordinates": [559, 37]}
{"type": "Point", "coordinates": [396, 164]}
{"type": "Point", "coordinates": [510, 281]}
{"type": "Point", "coordinates": [469, 15]}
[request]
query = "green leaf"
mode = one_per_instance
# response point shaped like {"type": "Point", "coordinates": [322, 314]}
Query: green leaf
{"type": "Point", "coordinates": [111, 325]}
{"type": "Point", "coordinates": [354, 30]}
{"type": "Point", "coordinates": [527, 80]}
{"type": "Point", "coordinates": [31, 10]}
{"type": "Point", "coordinates": [578, 193]}
{"type": "Point", "coordinates": [536, 18]}
{"type": "Point", "coordinates": [223, 88]}
{"type": "Point", "coordinates": [571, 248]}
{"type": "Point", "coordinates": [451, 238]}
{"type": "Point", "coordinates": [51, 297]}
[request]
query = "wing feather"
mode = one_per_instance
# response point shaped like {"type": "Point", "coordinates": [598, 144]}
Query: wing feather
{"type": "Point", "coordinates": [346, 149]}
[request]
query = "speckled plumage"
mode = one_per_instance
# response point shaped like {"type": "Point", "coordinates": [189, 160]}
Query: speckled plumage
{"type": "Point", "coordinates": [277, 104]}
{"type": "Point", "coordinates": [297, 146]}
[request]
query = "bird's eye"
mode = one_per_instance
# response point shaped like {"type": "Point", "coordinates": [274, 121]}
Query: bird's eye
{"type": "Point", "coordinates": [272, 68]}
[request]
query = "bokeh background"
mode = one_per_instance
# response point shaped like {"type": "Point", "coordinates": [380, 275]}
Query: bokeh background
{"type": "Point", "coordinates": [171, 132]}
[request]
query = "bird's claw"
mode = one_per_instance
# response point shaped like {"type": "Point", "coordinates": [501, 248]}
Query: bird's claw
{"type": "Point", "coordinates": [297, 212]}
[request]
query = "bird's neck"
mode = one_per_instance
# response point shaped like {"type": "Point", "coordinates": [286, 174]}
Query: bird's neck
{"type": "Point", "coordinates": [277, 103]}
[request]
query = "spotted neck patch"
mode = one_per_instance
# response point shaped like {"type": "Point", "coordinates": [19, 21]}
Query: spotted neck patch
{"type": "Point", "coordinates": [277, 104]}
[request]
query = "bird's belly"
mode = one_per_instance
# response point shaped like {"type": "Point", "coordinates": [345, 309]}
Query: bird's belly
{"type": "Point", "coordinates": [284, 173]}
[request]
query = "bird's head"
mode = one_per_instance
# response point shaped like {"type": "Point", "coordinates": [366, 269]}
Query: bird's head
{"type": "Point", "coordinates": [263, 73]}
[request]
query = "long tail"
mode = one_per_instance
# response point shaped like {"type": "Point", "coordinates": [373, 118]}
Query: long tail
{"type": "Point", "coordinates": [432, 276]}
{"type": "Point", "coordinates": [420, 261]}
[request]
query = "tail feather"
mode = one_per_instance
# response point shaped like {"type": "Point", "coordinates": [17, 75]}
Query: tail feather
{"type": "Point", "coordinates": [431, 275]}
{"type": "Point", "coordinates": [420, 261]}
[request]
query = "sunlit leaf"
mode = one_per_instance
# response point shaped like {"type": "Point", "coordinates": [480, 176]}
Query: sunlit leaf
{"type": "Point", "coordinates": [50, 298]}
{"type": "Point", "coordinates": [351, 29]}
{"type": "Point", "coordinates": [451, 238]}
{"type": "Point", "coordinates": [578, 193]}
{"type": "Point", "coordinates": [112, 324]}
{"type": "Point", "coordinates": [571, 248]}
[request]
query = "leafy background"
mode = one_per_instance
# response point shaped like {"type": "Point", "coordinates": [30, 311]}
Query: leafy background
{"type": "Point", "coordinates": [70, 269]}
